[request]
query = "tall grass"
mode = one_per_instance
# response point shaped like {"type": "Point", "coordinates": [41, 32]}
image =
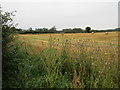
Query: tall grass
{"type": "Point", "coordinates": [83, 64]}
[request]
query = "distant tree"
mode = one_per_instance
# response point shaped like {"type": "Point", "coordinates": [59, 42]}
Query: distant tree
{"type": "Point", "coordinates": [53, 29]}
{"type": "Point", "coordinates": [30, 29]}
{"type": "Point", "coordinates": [38, 30]}
{"type": "Point", "coordinates": [67, 30]}
{"type": "Point", "coordinates": [77, 30]}
{"type": "Point", "coordinates": [45, 29]}
{"type": "Point", "coordinates": [41, 30]}
{"type": "Point", "coordinates": [88, 29]}
{"type": "Point", "coordinates": [74, 30]}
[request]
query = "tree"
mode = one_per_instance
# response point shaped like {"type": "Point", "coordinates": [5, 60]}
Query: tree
{"type": "Point", "coordinates": [45, 29]}
{"type": "Point", "coordinates": [88, 29]}
{"type": "Point", "coordinates": [30, 29]}
{"type": "Point", "coordinates": [53, 29]}
{"type": "Point", "coordinates": [8, 28]}
{"type": "Point", "coordinates": [9, 50]}
{"type": "Point", "coordinates": [67, 30]}
{"type": "Point", "coordinates": [77, 30]}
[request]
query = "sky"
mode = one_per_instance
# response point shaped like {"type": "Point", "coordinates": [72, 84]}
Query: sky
{"type": "Point", "coordinates": [98, 14]}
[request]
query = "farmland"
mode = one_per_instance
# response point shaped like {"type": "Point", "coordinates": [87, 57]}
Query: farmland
{"type": "Point", "coordinates": [81, 60]}
{"type": "Point", "coordinates": [40, 39]}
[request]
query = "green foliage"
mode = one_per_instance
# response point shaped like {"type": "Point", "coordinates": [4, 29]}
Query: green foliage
{"type": "Point", "coordinates": [88, 29]}
{"type": "Point", "coordinates": [81, 70]}
{"type": "Point", "coordinates": [9, 51]}
{"type": "Point", "coordinates": [74, 30]}
{"type": "Point", "coordinates": [53, 29]}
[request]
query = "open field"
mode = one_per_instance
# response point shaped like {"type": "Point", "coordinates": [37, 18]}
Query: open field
{"type": "Point", "coordinates": [81, 60]}
{"type": "Point", "coordinates": [112, 36]}
{"type": "Point", "coordinates": [101, 38]}
{"type": "Point", "coordinates": [73, 40]}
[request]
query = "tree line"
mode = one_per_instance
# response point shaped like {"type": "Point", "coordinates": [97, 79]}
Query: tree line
{"type": "Point", "coordinates": [66, 30]}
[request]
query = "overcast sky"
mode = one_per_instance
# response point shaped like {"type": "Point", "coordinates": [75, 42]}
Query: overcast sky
{"type": "Point", "coordinates": [63, 13]}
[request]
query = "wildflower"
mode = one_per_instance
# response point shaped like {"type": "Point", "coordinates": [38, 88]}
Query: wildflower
{"type": "Point", "coordinates": [92, 57]}
{"type": "Point", "coordinates": [106, 53]}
